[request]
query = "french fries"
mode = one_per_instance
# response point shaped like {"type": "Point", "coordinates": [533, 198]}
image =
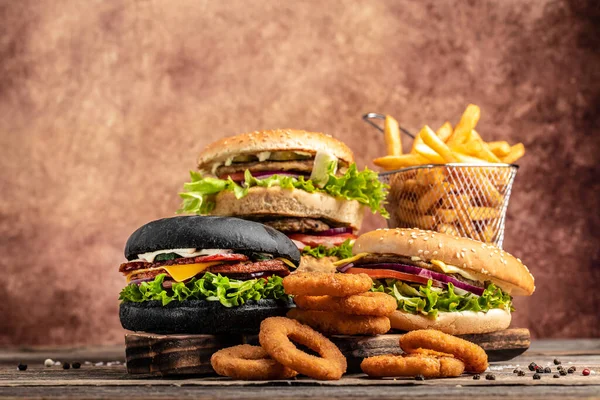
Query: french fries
{"type": "Point", "coordinates": [393, 141]}
{"type": "Point", "coordinates": [460, 201]}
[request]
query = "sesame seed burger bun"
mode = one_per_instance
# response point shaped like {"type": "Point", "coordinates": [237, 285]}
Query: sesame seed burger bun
{"type": "Point", "coordinates": [273, 140]}
{"type": "Point", "coordinates": [483, 261]}
{"type": "Point", "coordinates": [281, 202]}
{"type": "Point", "coordinates": [453, 323]}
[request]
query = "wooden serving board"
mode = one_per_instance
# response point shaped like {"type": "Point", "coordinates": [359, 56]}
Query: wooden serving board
{"type": "Point", "coordinates": [190, 354]}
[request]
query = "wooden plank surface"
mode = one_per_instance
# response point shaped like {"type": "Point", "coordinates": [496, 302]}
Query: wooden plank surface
{"type": "Point", "coordinates": [102, 381]}
{"type": "Point", "coordinates": [165, 355]}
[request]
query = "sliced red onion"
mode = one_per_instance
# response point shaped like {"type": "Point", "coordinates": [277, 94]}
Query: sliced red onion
{"type": "Point", "coordinates": [426, 273]}
{"type": "Point", "coordinates": [333, 231]}
{"type": "Point", "coordinates": [298, 244]}
{"type": "Point", "coordinates": [344, 268]}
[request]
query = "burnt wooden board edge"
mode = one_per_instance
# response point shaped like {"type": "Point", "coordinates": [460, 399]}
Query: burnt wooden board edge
{"type": "Point", "coordinates": [163, 355]}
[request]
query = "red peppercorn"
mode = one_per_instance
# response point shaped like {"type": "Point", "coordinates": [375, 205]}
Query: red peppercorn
{"type": "Point", "coordinates": [585, 372]}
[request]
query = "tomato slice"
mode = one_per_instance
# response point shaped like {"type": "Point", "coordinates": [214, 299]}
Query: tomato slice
{"type": "Point", "coordinates": [235, 176]}
{"type": "Point", "coordinates": [388, 274]}
{"type": "Point", "coordinates": [327, 241]}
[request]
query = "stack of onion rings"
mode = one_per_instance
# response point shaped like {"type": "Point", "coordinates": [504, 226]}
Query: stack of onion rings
{"type": "Point", "coordinates": [375, 304]}
{"type": "Point", "coordinates": [412, 365]}
{"type": "Point", "coordinates": [248, 363]}
{"type": "Point", "coordinates": [332, 323]}
{"type": "Point", "coordinates": [427, 340]}
{"type": "Point", "coordinates": [275, 334]}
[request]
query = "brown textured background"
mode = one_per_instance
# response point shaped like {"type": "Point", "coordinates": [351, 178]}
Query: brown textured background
{"type": "Point", "coordinates": [104, 105]}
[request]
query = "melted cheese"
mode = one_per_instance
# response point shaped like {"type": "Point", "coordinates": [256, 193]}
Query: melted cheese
{"type": "Point", "coordinates": [451, 269]}
{"type": "Point", "coordinates": [179, 273]}
{"type": "Point", "coordinates": [287, 262]}
{"type": "Point", "coordinates": [351, 259]}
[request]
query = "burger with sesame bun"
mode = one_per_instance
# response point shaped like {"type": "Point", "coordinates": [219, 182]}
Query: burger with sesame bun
{"type": "Point", "coordinates": [304, 184]}
{"type": "Point", "coordinates": [206, 275]}
{"type": "Point", "coordinates": [455, 285]}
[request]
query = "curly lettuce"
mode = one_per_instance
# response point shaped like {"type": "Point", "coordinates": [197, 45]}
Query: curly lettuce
{"type": "Point", "coordinates": [198, 196]}
{"type": "Point", "coordinates": [342, 251]}
{"type": "Point", "coordinates": [429, 300]}
{"type": "Point", "coordinates": [210, 287]}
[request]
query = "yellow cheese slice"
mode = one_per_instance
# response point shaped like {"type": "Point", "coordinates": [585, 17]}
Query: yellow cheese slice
{"type": "Point", "coordinates": [181, 272]}
{"type": "Point", "coordinates": [287, 262]}
{"type": "Point", "coordinates": [351, 259]}
{"type": "Point", "coordinates": [451, 269]}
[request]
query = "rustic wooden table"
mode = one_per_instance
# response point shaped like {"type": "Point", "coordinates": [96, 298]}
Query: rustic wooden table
{"type": "Point", "coordinates": [104, 376]}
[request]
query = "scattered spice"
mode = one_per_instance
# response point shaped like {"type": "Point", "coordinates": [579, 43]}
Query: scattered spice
{"type": "Point", "coordinates": [537, 376]}
{"type": "Point", "coordinates": [557, 361]}
{"type": "Point", "coordinates": [48, 362]}
{"type": "Point", "coordinates": [521, 373]}
{"type": "Point", "coordinates": [532, 366]}
{"type": "Point", "coordinates": [66, 365]}
{"type": "Point", "coordinates": [563, 372]}
{"type": "Point", "coordinates": [585, 372]}
{"type": "Point", "coordinates": [547, 370]}
{"type": "Point", "coordinates": [556, 376]}
{"type": "Point", "coordinates": [76, 365]}
{"type": "Point", "coordinates": [22, 367]}
{"type": "Point", "coordinates": [490, 377]}
{"type": "Point", "coordinates": [476, 377]}
{"type": "Point", "coordinates": [419, 377]}
{"type": "Point", "coordinates": [571, 370]}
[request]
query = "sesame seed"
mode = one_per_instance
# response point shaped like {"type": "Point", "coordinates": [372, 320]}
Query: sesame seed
{"type": "Point", "coordinates": [473, 250]}
{"type": "Point", "coordinates": [464, 265]}
{"type": "Point", "coordinates": [440, 245]}
{"type": "Point", "coordinates": [435, 252]}
{"type": "Point", "coordinates": [420, 251]}
{"type": "Point", "coordinates": [402, 233]}
{"type": "Point", "coordinates": [425, 238]}
{"type": "Point", "coordinates": [463, 249]}
{"type": "Point", "coordinates": [426, 252]}
{"type": "Point", "coordinates": [410, 241]}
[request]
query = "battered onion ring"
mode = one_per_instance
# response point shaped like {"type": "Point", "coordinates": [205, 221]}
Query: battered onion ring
{"type": "Point", "coordinates": [275, 334]}
{"type": "Point", "coordinates": [249, 363]}
{"type": "Point", "coordinates": [412, 365]}
{"type": "Point", "coordinates": [472, 355]}
{"type": "Point", "coordinates": [332, 323]}
{"type": "Point", "coordinates": [376, 304]}
{"type": "Point", "coordinates": [323, 283]}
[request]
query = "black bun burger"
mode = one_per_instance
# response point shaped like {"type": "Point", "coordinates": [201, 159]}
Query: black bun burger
{"type": "Point", "coordinates": [205, 275]}
{"type": "Point", "coordinates": [452, 284]}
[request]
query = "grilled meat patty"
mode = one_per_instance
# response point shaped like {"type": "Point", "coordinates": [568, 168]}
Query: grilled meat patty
{"type": "Point", "coordinates": [302, 166]}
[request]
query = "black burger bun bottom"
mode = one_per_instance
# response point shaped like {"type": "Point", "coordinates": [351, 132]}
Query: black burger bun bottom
{"type": "Point", "coordinates": [200, 316]}
{"type": "Point", "coordinates": [209, 232]}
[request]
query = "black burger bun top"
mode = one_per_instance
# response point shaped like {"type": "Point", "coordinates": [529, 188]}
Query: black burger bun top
{"type": "Point", "coordinates": [209, 232]}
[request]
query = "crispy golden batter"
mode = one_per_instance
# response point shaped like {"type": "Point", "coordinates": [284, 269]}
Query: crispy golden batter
{"type": "Point", "coordinates": [369, 303]}
{"type": "Point", "coordinates": [323, 283]}
{"type": "Point", "coordinates": [334, 323]}
{"type": "Point", "coordinates": [411, 365]}
{"type": "Point", "coordinates": [275, 334]}
{"type": "Point", "coordinates": [248, 363]}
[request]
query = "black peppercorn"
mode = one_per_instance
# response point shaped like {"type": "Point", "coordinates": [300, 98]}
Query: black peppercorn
{"type": "Point", "coordinates": [66, 365]}
{"type": "Point", "coordinates": [419, 377]}
{"type": "Point", "coordinates": [516, 371]}
{"type": "Point", "coordinates": [556, 376]}
{"type": "Point", "coordinates": [76, 365]}
{"type": "Point", "coordinates": [547, 370]}
{"type": "Point", "coordinates": [22, 367]}
{"type": "Point", "coordinates": [490, 377]}
{"type": "Point", "coordinates": [476, 377]}
{"type": "Point", "coordinates": [521, 373]}
{"type": "Point", "coordinates": [563, 372]}
{"type": "Point", "coordinates": [557, 361]}
{"type": "Point", "coordinates": [537, 376]}
{"type": "Point", "coordinates": [571, 370]}
{"type": "Point", "coordinates": [532, 366]}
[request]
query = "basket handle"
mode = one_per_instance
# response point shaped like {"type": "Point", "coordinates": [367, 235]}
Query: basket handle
{"type": "Point", "coordinates": [370, 116]}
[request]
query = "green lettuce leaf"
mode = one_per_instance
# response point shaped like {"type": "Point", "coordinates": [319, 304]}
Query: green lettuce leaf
{"type": "Point", "coordinates": [429, 300]}
{"type": "Point", "coordinates": [210, 287]}
{"type": "Point", "coordinates": [363, 186]}
{"type": "Point", "coordinates": [342, 251]}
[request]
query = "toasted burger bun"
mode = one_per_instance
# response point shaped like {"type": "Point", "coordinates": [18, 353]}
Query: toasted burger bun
{"type": "Point", "coordinates": [290, 203]}
{"type": "Point", "coordinates": [204, 232]}
{"type": "Point", "coordinates": [484, 261]}
{"type": "Point", "coordinates": [200, 316]}
{"type": "Point", "coordinates": [273, 140]}
{"type": "Point", "coordinates": [453, 323]}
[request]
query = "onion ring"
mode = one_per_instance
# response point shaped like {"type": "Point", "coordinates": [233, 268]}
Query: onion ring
{"type": "Point", "coordinates": [324, 283]}
{"type": "Point", "coordinates": [249, 363]}
{"type": "Point", "coordinates": [376, 304]}
{"type": "Point", "coordinates": [274, 337]}
{"type": "Point", "coordinates": [411, 365]}
{"type": "Point", "coordinates": [474, 357]}
{"type": "Point", "coordinates": [333, 323]}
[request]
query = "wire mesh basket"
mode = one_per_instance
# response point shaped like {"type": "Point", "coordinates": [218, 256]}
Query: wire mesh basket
{"type": "Point", "coordinates": [467, 200]}
{"type": "Point", "coordinates": [460, 199]}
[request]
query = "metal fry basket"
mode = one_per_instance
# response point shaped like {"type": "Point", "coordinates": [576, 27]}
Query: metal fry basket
{"type": "Point", "coordinates": [467, 200]}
